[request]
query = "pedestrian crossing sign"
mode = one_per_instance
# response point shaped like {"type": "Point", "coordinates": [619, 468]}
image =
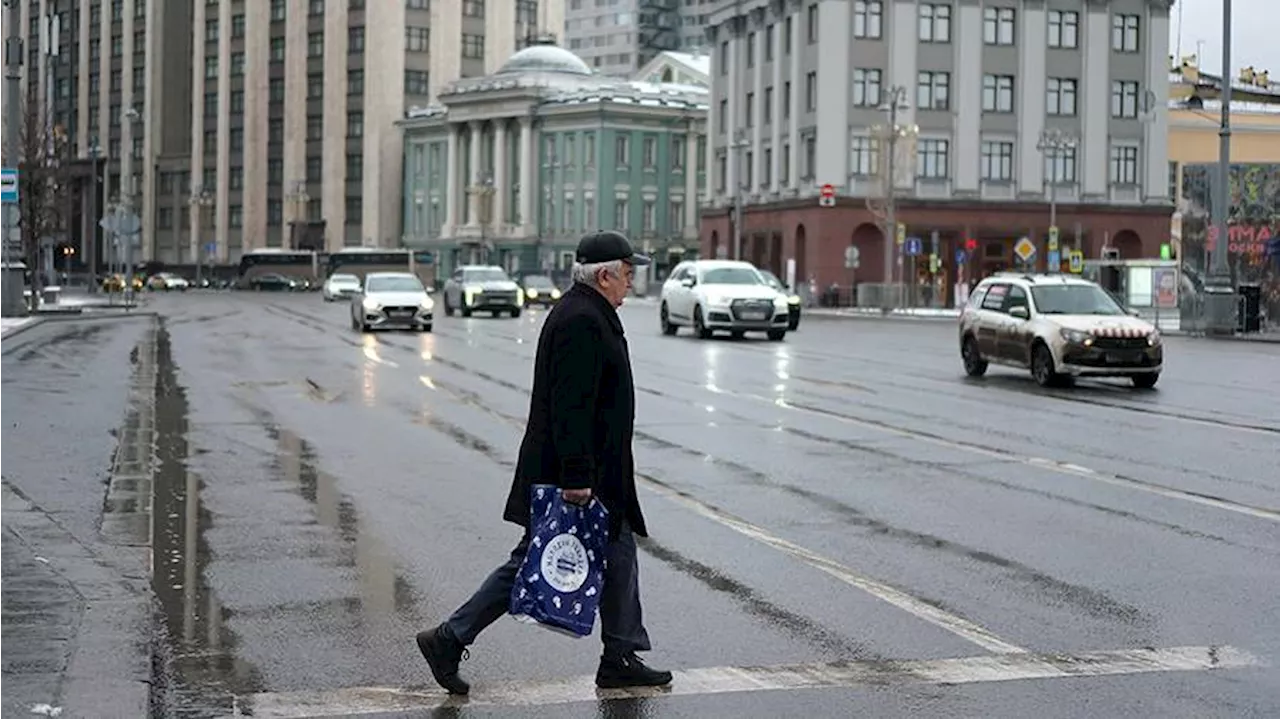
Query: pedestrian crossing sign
{"type": "Point", "coordinates": [1075, 258]}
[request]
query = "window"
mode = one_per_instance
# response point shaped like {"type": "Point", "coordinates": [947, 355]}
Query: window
{"type": "Point", "coordinates": [317, 7]}
{"type": "Point", "coordinates": [235, 140]}
{"type": "Point", "coordinates": [786, 42]}
{"type": "Point", "coordinates": [1124, 99]}
{"type": "Point", "coordinates": [1124, 33]}
{"type": "Point", "coordinates": [811, 18]}
{"type": "Point", "coordinates": [210, 68]}
{"type": "Point", "coordinates": [355, 82]}
{"type": "Point", "coordinates": [1124, 165]}
{"type": "Point", "coordinates": [933, 90]}
{"type": "Point", "coordinates": [237, 64]}
{"type": "Point", "coordinates": [751, 49]}
{"type": "Point", "coordinates": [473, 8]}
{"type": "Point", "coordinates": [786, 99]}
{"type": "Point", "coordinates": [211, 104]}
{"type": "Point", "coordinates": [750, 110]}
{"type": "Point", "coordinates": [768, 43]}
{"type": "Point", "coordinates": [315, 44]}
{"type": "Point", "coordinates": [277, 10]}
{"type": "Point", "coordinates": [275, 212]}
{"type": "Point", "coordinates": [418, 4]}
{"type": "Point", "coordinates": [237, 101]}
{"type": "Point", "coordinates": [767, 109]}
{"type": "Point", "coordinates": [675, 214]}
{"type": "Point", "coordinates": [784, 163]}
{"type": "Point", "coordinates": [315, 127]}
{"type": "Point", "coordinates": [722, 171]}
{"type": "Point", "coordinates": [355, 124]}
{"type": "Point", "coordinates": [1060, 166]}
{"type": "Point", "coordinates": [866, 88]}
{"type": "Point", "coordinates": [622, 151]}
{"type": "Point", "coordinates": [997, 161]}
{"type": "Point", "coordinates": [416, 82]}
{"type": "Point", "coordinates": [748, 165]}
{"type": "Point", "coordinates": [997, 93]}
{"type": "Point", "coordinates": [315, 86]}
{"type": "Point", "coordinates": [275, 130]}
{"type": "Point", "coordinates": [355, 167]}
{"type": "Point", "coordinates": [932, 159]}
{"type": "Point", "coordinates": [275, 171]}
{"type": "Point", "coordinates": [766, 168]}
{"type": "Point", "coordinates": [588, 213]}
{"type": "Point", "coordinates": [1064, 28]}
{"type": "Point", "coordinates": [620, 214]}
{"type": "Point", "coordinates": [724, 116]}
{"type": "Point", "coordinates": [650, 150]}
{"type": "Point", "coordinates": [810, 157]}
{"type": "Point", "coordinates": [210, 33]}
{"type": "Point", "coordinates": [355, 40]}
{"type": "Point", "coordinates": [864, 156]}
{"type": "Point", "coordinates": [724, 58]}
{"type": "Point", "coordinates": [416, 39]}
{"type": "Point", "coordinates": [650, 216]}
{"type": "Point", "coordinates": [275, 89]}
{"type": "Point", "coordinates": [235, 216]}
{"type": "Point", "coordinates": [589, 149]}
{"type": "Point", "coordinates": [237, 25]}
{"type": "Point", "coordinates": [935, 23]}
{"type": "Point", "coordinates": [811, 91]}
{"type": "Point", "coordinates": [868, 18]}
{"type": "Point", "coordinates": [997, 25]}
{"type": "Point", "coordinates": [354, 210]}
{"type": "Point", "coordinates": [1061, 98]}
{"type": "Point", "coordinates": [277, 49]}
{"type": "Point", "coordinates": [568, 214]}
{"type": "Point", "coordinates": [235, 178]}
{"type": "Point", "coordinates": [473, 46]}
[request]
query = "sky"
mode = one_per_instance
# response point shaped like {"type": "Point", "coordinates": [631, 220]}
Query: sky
{"type": "Point", "coordinates": [1253, 34]}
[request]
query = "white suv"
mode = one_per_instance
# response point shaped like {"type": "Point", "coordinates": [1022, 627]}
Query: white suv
{"type": "Point", "coordinates": [728, 295]}
{"type": "Point", "coordinates": [1058, 326]}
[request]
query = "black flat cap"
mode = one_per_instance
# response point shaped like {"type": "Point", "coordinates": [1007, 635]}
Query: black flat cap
{"type": "Point", "coordinates": [608, 246]}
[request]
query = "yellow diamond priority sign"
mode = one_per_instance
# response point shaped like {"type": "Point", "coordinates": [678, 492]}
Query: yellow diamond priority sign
{"type": "Point", "coordinates": [1025, 249]}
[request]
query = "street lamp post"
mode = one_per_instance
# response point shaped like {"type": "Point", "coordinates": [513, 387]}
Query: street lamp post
{"type": "Point", "coordinates": [889, 136]}
{"type": "Point", "coordinates": [299, 200]}
{"type": "Point", "coordinates": [740, 143]}
{"type": "Point", "coordinates": [1220, 300]}
{"type": "Point", "coordinates": [199, 199]}
{"type": "Point", "coordinates": [1052, 143]}
{"type": "Point", "coordinates": [91, 246]}
{"type": "Point", "coordinates": [484, 195]}
{"type": "Point", "coordinates": [127, 190]}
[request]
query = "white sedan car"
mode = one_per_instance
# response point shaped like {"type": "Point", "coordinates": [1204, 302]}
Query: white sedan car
{"type": "Point", "coordinates": [340, 286]}
{"type": "Point", "coordinates": [392, 299]}
{"type": "Point", "coordinates": [726, 295]}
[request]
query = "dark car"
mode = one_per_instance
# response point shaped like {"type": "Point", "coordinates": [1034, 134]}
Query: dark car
{"type": "Point", "coordinates": [793, 300]}
{"type": "Point", "coordinates": [273, 282]}
{"type": "Point", "coordinates": [539, 290]}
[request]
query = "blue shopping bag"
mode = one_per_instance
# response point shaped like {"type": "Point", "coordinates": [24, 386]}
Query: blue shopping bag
{"type": "Point", "coordinates": [559, 584]}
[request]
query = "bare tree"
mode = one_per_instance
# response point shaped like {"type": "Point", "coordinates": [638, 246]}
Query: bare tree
{"type": "Point", "coordinates": [44, 185]}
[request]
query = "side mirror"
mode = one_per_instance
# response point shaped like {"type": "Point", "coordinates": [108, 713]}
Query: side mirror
{"type": "Point", "coordinates": [1020, 312]}
{"type": "Point", "coordinates": [1133, 313]}
{"type": "Point", "coordinates": [688, 282]}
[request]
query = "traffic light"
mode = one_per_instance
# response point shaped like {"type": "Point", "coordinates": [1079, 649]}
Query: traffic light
{"type": "Point", "coordinates": [970, 244]}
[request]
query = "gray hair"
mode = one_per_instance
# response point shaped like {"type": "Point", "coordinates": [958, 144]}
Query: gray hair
{"type": "Point", "coordinates": [587, 273]}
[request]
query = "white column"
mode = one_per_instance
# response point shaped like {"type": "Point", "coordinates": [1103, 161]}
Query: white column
{"type": "Point", "coordinates": [967, 98]}
{"type": "Point", "coordinates": [502, 200]}
{"type": "Point", "coordinates": [797, 92]}
{"type": "Point", "coordinates": [473, 180]}
{"type": "Point", "coordinates": [832, 159]}
{"type": "Point", "coordinates": [451, 182]}
{"type": "Point", "coordinates": [756, 171]}
{"type": "Point", "coordinates": [776, 112]}
{"type": "Point", "coordinates": [1030, 97]}
{"type": "Point", "coordinates": [1095, 108]}
{"type": "Point", "coordinates": [733, 94]}
{"type": "Point", "coordinates": [1155, 145]}
{"type": "Point", "coordinates": [527, 162]}
{"type": "Point", "coordinates": [691, 183]}
{"type": "Point", "coordinates": [903, 63]}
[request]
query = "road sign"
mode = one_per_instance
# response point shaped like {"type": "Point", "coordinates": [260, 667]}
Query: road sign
{"type": "Point", "coordinates": [121, 223]}
{"type": "Point", "coordinates": [1053, 238]}
{"type": "Point", "coordinates": [828, 198]}
{"type": "Point", "coordinates": [933, 264]}
{"type": "Point", "coordinates": [1075, 259]}
{"type": "Point", "coordinates": [211, 248]}
{"type": "Point", "coordinates": [961, 257]}
{"type": "Point", "coordinates": [852, 257]}
{"type": "Point", "coordinates": [1025, 249]}
{"type": "Point", "coordinates": [913, 246]}
{"type": "Point", "coordinates": [902, 233]}
{"type": "Point", "coordinates": [8, 186]}
{"type": "Point", "coordinates": [1053, 260]}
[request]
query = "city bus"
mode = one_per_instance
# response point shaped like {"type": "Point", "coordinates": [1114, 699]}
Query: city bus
{"type": "Point", "coordinates": [296, 264]}
{"type": "Point", "coordinates": [360, 261]}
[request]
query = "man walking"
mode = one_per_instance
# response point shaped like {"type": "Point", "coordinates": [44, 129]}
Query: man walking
{"type": "Point", "coordinates": [578, 437]}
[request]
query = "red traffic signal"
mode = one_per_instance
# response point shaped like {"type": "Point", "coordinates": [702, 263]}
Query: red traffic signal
{"type": "Point", "coordinates": [970, 244]}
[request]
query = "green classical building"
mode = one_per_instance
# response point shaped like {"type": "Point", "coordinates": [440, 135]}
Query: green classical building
{"type": "Point", "coordinates": [512, 168]}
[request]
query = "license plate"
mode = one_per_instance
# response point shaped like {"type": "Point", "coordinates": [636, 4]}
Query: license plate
{"type": "Point", "coordinates": [402, 313]}
{"type": "Point", "coordinates": [752, 315]}
{"type": "Point", "coordinates": [1123, 357]}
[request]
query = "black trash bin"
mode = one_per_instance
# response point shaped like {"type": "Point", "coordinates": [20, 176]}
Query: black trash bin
{"type": "Point", "coordinates": [1250, 307]}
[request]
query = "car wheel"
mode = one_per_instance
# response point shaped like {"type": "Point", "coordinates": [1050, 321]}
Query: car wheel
{"type": "Point", "coordinates": [776, 335]}
{"type": "Point", "coordinates": [1146, 381]}
{"type": "Point", "coordinates": [699, 329]}
{"type": "Point", "coordinates": [667, 328]}
{"type": "Point", "coordinates": [1042, 366]}
{"type": "Point", "coordinates": [974, 365]}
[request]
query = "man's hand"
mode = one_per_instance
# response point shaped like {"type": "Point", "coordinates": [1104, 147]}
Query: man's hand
{"type": "Point", "coordinates": [577, 496]}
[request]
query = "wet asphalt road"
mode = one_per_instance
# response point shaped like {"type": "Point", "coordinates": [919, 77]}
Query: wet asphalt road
{"type": "Point", "coordinates": [844, 495]}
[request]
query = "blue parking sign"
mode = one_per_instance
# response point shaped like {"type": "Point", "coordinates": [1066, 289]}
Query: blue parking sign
{"type": "Point", "coordinates": [913, 246]}
{"type": "Point", "coordinates": [961, 257]}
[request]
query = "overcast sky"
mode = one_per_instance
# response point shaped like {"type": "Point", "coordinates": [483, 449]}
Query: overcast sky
{"type": "Point", "coordinates": [1253, 35]}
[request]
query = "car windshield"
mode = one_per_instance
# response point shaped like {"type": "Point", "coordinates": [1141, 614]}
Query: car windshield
{"type": "Point", "coordinates": [732, 276]}
{"type": "Point", "coordinates": [345, 280]}
{"type": "Point", "coordinates": [772, 280]}
{"type": "Point", "coordinates": [487, 274]}
{"type": "Point", "coordinates": [539, 281]}
{"type": "Point", "coordinates": [1074, 300]}
{"type": "Point", "coordinates": [393, 284]}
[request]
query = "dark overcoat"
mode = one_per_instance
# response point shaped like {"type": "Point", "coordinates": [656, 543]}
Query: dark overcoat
{"type": "Point", "coordinates": [581, 412]}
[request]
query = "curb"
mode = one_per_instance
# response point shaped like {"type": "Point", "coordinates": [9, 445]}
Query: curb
{"type": "Point", "coordinates": [78, 317]}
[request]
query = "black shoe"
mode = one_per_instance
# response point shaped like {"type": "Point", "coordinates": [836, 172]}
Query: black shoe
{"type": "Point", "coordinates": [443, 654]}
{"type": "Point", "coordinates": [618, 671]}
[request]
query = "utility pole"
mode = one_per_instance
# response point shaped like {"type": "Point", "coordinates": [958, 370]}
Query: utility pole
{"type": "Point", "coordinates": [126, 193]}
{"type": "Point", "coordinates": [888, 137]}
{"type": "Point", "coordinates": [739, 144]}
{"type": "Point", "coordinates": [200, 198]}
{"type": "Point", "coordinates": [91, 247]}
{"type": "Point", "coordinates": [1220, 297]}
{"type": "Point", "coordinates": [14, 56]}
{"type": "Point", "coordinates": [1051, 144]}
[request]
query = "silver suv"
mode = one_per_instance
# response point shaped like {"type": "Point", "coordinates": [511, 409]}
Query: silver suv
{"type": "Point", "coordinates": [1058, 326]}
{"type": "Point", "coordinates": [727, 295]}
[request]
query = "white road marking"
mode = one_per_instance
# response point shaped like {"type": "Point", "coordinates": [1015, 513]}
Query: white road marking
{"type": "Point", "coordinates": [957, 625]}
{"type": "Point", "coordinates": [722, 680]}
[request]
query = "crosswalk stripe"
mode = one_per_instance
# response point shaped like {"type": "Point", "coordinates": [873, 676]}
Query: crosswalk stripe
{"type": "Point", "coordinates": [721, 680]}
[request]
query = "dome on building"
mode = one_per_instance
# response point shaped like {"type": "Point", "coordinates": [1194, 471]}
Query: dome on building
{"type": "Point", "coordinates": [545, 56]}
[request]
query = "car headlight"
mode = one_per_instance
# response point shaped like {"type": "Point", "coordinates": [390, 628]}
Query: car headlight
{"type": "Point", "coordinates": [370, 304]}
{"type": "Point", "coordinates": [555, 294]}
{"type": "Point", "coordinates": [780, 302]}
{"type": "Point", "coordinates": [1153, 339]}
{"type": "Point", "coordinates": [1076, 337]}
{"type": "Point", "coordinates": [793, 299]}
{"type": "Point", "coordinates": [531, 292]}
{"type": "Point", "coordinates": [428, 303]}
{"type": "Point", "coordinates": [717, 300]}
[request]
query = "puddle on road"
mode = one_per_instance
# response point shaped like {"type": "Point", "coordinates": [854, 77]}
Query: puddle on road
{"type": "Point", "coordinates": [201, 672]}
